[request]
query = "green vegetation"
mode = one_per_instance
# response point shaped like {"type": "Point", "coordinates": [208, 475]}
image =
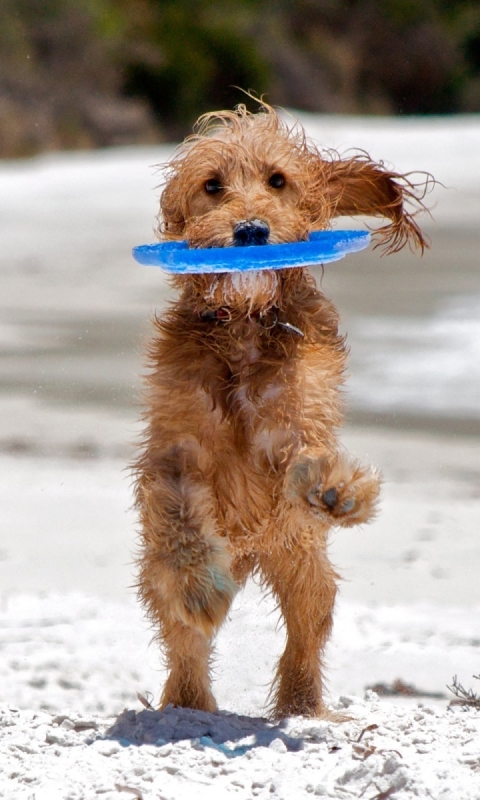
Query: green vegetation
{"type": "Point", "coordinates": [85, 73]}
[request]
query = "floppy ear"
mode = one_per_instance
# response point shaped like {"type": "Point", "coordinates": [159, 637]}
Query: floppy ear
{"type": "Point", "coordinates": [359, 186]}
{"type": "Point", "coordinates": [171, 220]}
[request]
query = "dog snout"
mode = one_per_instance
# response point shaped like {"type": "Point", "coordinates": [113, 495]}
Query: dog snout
{"type": "Point", "coordinates": [250, 231]}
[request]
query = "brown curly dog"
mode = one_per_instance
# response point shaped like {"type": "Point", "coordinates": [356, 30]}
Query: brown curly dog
{"type": "Point", "coordinates": [241, 470]}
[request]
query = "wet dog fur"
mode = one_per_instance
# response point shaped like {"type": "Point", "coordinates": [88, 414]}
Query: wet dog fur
{"type": "Point", "coordinates": [241, 471]}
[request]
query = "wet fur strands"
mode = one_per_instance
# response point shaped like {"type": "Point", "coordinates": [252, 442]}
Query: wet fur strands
{"type": "Point", "coordinates": [241, 470]}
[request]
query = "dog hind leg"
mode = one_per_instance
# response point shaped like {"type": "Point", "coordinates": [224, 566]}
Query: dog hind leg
{"type": "Point", "coordinates": [185, 580]}
{"type": "Point", "coordinates": [188, 654]}
{"type": "Point", "coordinates": [304, 583]}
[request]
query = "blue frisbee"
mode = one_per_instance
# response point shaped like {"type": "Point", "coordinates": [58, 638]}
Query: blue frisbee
{"type": "Point", "coordinates": [322, 247]}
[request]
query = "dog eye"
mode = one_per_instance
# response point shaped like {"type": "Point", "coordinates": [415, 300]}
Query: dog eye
{"type": "Point", "coordinates": [212, 186]}
{"type": "Point", "coordinates": [277, 180]}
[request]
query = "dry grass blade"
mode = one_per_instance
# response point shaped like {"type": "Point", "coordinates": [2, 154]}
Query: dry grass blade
{"type": "Point", "coordinates": [145, 702]}
{"type": "Point", "coordinates": [464, 697]}
{"type": "Point", "coordinates": [384, 795]}
{"type": "Point", "coordinates": [131, 790]}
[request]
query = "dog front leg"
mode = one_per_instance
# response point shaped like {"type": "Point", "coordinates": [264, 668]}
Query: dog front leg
{"type": "Point", "coordinates": [185, 580]}
{"type": "Point", "coordinates": [341, 491]}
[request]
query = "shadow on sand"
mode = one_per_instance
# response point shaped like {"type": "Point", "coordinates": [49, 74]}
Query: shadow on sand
{"type": "Point", "coordinates": [203, 729]}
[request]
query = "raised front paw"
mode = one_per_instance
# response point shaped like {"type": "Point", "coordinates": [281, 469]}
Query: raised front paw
{"type": "Point", "coordinates": [343, 491]}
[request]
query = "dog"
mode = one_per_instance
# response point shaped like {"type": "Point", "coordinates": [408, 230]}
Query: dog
{"type": "Point", "coordinates": [241, 471]}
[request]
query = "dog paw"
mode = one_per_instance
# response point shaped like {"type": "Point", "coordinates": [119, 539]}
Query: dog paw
{"type": "Point", "coordinates": [344, 492]}
{"type": "Point", "coordinates": [181, 692]}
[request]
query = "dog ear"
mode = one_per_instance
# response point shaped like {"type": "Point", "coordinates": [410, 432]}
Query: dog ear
{"type": "Point", "coordinates": [359, 186]}
{"type": "Point", "coordinates": [171, 220]}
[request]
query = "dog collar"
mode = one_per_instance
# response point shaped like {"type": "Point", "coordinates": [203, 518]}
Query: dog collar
{"type": "Point", "coordinates": [322, 247]}
{"type": "Point", "coordinates": [266, 319]}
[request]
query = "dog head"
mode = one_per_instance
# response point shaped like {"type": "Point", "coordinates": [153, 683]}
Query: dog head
{"type": "Point", "coordinates": [246, 179]}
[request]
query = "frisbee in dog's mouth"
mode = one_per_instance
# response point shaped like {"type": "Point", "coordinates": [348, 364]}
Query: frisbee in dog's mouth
{"type": "Point", "coordinates": [322, 247]}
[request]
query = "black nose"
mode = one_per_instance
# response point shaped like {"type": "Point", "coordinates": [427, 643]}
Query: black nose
{"type": "Point", "coordinates": [250, 231]}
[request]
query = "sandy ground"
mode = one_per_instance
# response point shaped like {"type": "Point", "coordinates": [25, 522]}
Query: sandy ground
{"type": "Point", "coordinates": [74, 649]}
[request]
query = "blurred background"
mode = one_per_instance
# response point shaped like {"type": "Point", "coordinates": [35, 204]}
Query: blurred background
{"type": "Point", "coordinates": [94, 73]}
{"type": "Point", "coordinates": [94, 94]}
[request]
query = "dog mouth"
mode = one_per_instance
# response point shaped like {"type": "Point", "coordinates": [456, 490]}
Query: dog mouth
{"type": "Point", "coordinates": [250, 232]}
{"type": "Point", "coordinates": [253, 232]}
